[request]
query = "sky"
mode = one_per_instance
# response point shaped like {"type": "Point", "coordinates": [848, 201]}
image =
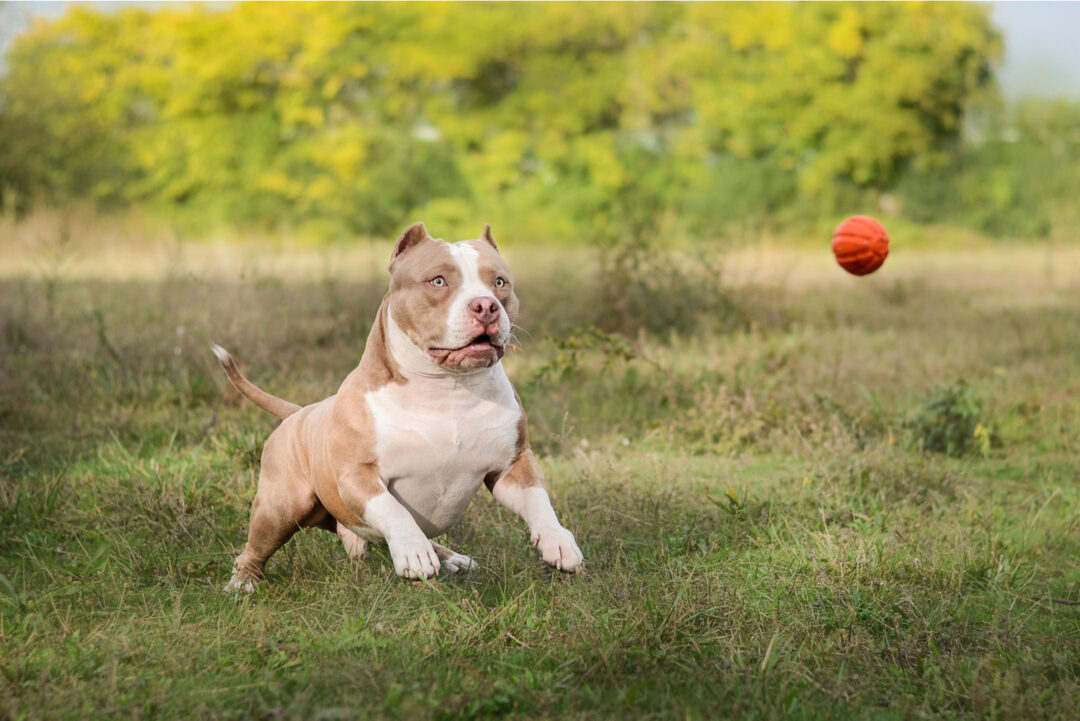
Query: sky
{"type": "Point", "coordinates": [1042, 42]}
{"type": "Point", "coordinates": [1042, 48]}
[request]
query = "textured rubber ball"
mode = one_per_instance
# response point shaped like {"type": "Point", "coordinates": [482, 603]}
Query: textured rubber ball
{"type": "Point", "coordinates": [860, 245]}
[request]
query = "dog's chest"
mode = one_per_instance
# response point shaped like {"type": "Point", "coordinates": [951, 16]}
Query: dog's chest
{"type": "Point", "coordinates": [436, 443]}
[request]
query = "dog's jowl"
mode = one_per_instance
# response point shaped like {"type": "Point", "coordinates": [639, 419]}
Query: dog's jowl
{"type": "Point", "coordinates": [426, 418]}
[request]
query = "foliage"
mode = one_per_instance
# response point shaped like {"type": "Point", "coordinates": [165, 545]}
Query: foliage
{"type": "Point", "coordinates": [571, 122]}
{"type": "Point", "coordinates": [951, 421]}
{"type": "Point", "coordinates": [573, 346]}
{"type": "Point", "coordinates": [1016, 176]}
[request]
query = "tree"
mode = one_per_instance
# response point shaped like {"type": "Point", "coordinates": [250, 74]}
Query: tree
{"type": "Point", "coordinates": [552, 120]}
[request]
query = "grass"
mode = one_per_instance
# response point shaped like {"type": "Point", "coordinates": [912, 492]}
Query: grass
{"type": "Point", "coordinates": [765, 537]}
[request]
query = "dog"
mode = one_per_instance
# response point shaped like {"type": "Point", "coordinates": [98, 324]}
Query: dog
{"type": "Point", "coordinates": [428, 415]}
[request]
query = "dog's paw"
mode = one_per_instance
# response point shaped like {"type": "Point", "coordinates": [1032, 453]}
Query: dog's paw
{"type": "Point", "coordinates": [414, 557]}
{"type": "Point", "coordinates": [558, 548]}
{"type": "Point", "coordinates": [240, 582]}
{"type": "Point", "coordinates": [355, 545]}
{"type": "Point", "coordinates": [458, 563]}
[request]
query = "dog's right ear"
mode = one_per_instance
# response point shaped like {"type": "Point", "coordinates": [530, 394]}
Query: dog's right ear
{"type": "Point", "coordinates": [414, 234]}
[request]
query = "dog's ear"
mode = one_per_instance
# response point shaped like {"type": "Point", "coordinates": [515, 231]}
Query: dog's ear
{"type": "Point", "coordinates": [486, 235]}
{"type": "Point", "coordinates": [413, 235]}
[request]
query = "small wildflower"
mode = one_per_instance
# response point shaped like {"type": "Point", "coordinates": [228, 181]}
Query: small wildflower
{"type": "Point", "coordinates": [806, 481]}
{"type": "Point", "coordinates": [983, 438]}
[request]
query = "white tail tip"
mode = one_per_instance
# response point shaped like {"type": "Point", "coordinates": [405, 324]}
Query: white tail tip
{"type": "Point", "coordinates": [221, 353]}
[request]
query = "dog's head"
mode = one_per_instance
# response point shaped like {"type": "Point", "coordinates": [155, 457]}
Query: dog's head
{"type": "Point", "coordinates": [455, 301]}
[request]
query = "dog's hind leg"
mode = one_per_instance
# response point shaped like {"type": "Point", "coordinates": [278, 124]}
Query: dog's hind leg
{"type": "Point", "coordinates": [355, 545]}
{"type": "Point", "coordinates": [267, 532]}
{"type": "Point", "coordinates": [281, 508]}
{"type": "Point", "coordinates": [453, 562]}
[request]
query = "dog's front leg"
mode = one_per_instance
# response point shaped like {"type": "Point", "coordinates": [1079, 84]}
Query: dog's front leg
{"type": "Point", "coordinates": [367, 496]}
{"type": "Point", "coordinates": [521, 489]}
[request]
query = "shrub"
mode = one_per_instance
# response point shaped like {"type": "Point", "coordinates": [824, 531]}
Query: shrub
{"type": "Point", "coordinates": [951, 421]}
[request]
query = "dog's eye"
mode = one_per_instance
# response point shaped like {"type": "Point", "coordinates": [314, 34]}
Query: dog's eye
{"type": "Point", "coordinates": [438, 281]}
{"type": "Point", "coordinates": [500, 282]}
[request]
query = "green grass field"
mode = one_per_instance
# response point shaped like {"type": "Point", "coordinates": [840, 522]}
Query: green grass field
{"type": "Point", "coordinates": [800, 494]}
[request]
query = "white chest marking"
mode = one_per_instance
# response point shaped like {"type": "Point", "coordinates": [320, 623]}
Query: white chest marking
{"type": "Point", "coordinates": [438, 437]}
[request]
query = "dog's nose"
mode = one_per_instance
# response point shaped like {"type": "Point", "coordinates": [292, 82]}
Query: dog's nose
{"type": "Point", "coordinates": [485, 308]}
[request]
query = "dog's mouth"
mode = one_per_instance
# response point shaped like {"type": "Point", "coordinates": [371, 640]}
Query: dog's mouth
{"type": "Point", "coordinates": [479, 347]}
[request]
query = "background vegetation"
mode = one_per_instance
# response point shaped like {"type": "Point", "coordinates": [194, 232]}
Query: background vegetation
{"type": "Point", "coordinates": [557, 122]}
{"type": "Point", "coordinates": [800, 494]}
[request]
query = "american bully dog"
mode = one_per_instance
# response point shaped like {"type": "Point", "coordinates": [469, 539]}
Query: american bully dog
{"type": "Point", "coordinates": [397, 454]}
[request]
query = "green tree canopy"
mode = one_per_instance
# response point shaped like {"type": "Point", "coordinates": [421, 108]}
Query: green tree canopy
{"type": "Point", "coordinates": [553, 120]}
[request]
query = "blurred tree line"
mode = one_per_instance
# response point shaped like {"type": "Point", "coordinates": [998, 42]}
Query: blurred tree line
{"type": "Point", "coordinates": [556, 122]}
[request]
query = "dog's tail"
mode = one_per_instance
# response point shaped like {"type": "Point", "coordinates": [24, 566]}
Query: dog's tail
{"type": "Point", "coordinates": [272, 404]}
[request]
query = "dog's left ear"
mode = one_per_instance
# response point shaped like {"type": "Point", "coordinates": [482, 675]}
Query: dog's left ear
{"type": "Point", "coordinates": [486, 235]}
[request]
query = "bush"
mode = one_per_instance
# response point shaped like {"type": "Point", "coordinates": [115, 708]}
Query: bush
{"type": "Point", "coordinates": [951, 421]}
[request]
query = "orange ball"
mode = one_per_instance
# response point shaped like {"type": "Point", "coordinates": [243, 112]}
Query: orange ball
{"type": "Point", "coordinates": [860, 245]}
